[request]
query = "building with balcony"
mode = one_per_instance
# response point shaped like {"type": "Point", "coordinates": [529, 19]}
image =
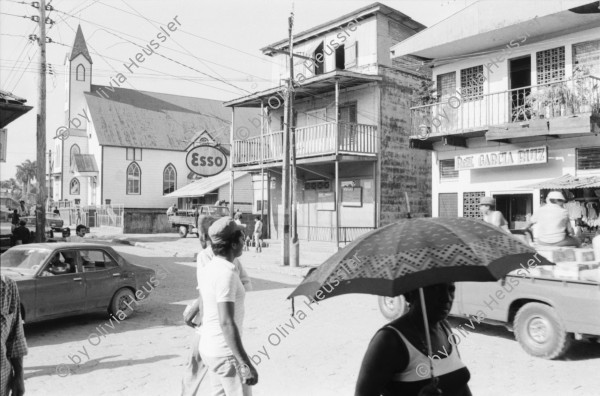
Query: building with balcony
{"type": "Point", "coordinates": [514, 102]}
{"type": "Point", "coordinates": [351, 118]}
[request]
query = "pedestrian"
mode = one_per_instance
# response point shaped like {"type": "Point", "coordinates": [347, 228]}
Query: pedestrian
{"type": "Point", "coordinates": [56, 211]}
{"type": "Point", "coordinates": [258, 230]}
{"type": "Point", "coordinates": [230, 370]}
{"type": "Point", "coordinates": [13, 345]}
{"type": "Point", "coordinates": [552, 225]}
{"type": "Point", "coordinates": [487, 207]}
{"type": "Point", "coordinates": [15, 220]}
{"type": "Point", "coordinates": [397, 360]}
{"type": "Point", "coordinates": [195, 370]}
{"type": "Point", "coordinates": [172, 210]}
{"type": "Point", "coordinates": [78, 219]}
{"type": "Point", "coordinates": [21, 234]}
{"type": "Point", "coordinates": [196, 216]}
{"type": "Point", "coordinates": [79, 234]}
{"type": "Point", "coordinates": [22, 208]}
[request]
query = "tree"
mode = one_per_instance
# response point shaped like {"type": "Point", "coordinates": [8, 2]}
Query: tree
{"type": "Point", "coordinates": [10, 185]}
{"type": "Point", "coordinates": [26, 173]}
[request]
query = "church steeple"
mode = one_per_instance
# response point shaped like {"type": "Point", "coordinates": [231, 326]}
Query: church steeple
{"type": "Point", "coordinates": [79, 46]}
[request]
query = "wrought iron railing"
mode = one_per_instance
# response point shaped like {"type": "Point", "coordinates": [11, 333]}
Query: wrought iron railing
{"type": "Point", "coordinates": [544, 101]}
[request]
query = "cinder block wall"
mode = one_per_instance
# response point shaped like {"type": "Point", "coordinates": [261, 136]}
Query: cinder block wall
{"type": "Point", "coordinates": [146, 221]}
{"type": "Point", "coordinates": [401, 168]}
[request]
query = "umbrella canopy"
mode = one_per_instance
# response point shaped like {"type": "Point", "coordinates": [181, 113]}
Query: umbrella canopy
{"type": "Point", "coordinates": [415, 253]}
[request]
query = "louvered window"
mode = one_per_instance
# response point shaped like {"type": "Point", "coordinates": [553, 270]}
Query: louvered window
{"type": "Point", "coordinates": [446, 86]}
{"type": "Point", "coordinates": [447, 171]}
{"type": "Point", "coordinates": [448, 205]}
{"type": "Point", "coordinates": [588, 158]}
{"type": "Point", "coordinates": [586, 58]}
{"type": "Point", "coordinates": [550, 65]}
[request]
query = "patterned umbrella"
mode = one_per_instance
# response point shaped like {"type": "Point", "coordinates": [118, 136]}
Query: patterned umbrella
{"type": "Point", "coordinates": [416, 253]}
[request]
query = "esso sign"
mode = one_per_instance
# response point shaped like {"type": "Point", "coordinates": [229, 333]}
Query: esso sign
{"type": "Point", "coordinates": [206, 161]}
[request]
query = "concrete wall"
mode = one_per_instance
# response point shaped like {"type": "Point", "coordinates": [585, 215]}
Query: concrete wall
{"type": "Point", "coordinates": [401, 169]}
{"type": "Point", "coordinates": [146, 221]}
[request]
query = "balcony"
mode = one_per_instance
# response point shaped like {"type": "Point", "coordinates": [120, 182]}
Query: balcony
{"type": "Point", "coordinates": [571, 106]}
{"type": "Point", "coordinates": [311, 141]}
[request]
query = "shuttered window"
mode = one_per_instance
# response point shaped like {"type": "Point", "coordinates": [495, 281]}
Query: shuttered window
{"type": "Point", "coordinates": [351, 55]}
{"type": "Point", "coordinates": [448, 205]}
{"type": "Point", "coordinates": [446, 86]}
{"type": "Point", "coordinates": [471, 83]}
{"type": "Point", "coordinates": [588, 158]}
{"type": "Point", "coordinates": [447, 171]}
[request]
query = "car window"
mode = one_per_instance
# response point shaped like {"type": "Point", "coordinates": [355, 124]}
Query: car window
{"type": "Point", "coordinates": [96, 260]}
{"type": "Point", "coordinates": [61, 263]}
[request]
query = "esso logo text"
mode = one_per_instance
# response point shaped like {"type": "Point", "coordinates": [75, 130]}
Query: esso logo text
{"type": "Point", "coordinates": [206, 161]}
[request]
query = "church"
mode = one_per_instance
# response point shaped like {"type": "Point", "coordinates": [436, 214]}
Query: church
{"type": "Point", "coordinates": [127, 147]}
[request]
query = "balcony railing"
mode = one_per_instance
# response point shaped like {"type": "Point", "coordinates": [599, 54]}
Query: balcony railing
{"type": "Point", "coordinates": [459, 115]}
{"type": "Point", "coordinates": [311, 141]}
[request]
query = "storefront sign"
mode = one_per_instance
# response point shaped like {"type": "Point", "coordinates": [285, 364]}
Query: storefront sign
{"type": "Point", "coordinates": [206, 160]}
{"type": "Point", "coordinates": [536, 155]}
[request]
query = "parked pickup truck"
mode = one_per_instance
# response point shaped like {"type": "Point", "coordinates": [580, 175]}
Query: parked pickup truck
{"type": "Point", "coordinates": [185, 221]}
{"type": "Point", "coordinates": [547, 307]}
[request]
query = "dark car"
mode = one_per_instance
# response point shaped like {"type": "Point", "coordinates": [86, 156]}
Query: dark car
{"type": "Point", "coordinates": [57, 224]}
{"type": "Point", "coordinates": [57, 280]}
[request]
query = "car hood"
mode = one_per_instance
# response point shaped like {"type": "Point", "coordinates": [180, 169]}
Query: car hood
{"type": "Point", "coordinates": [16, 275]}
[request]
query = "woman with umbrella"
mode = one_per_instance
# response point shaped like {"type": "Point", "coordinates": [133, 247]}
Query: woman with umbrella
{"type": "Point", "coordinates": [397, 361]}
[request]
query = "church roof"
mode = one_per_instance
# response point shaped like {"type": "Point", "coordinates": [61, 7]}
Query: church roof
{"type": "Point", "coordinates": [132, 118]}
{"type": "Point", "coordinates": [79, 46]}
{"type": "Point", "coordinates": [85, 163]}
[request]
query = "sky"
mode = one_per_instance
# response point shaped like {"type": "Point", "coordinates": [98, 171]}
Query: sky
{"type": "Point", "coordinates": [216, 39]}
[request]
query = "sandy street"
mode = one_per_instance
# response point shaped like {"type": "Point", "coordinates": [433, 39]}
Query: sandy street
{"type": "Point", "coordinates": [319, 353]}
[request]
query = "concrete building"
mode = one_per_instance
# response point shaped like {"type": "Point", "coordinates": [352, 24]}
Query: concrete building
{"type": "Point", "coordinates": [129, 147]}
{"type": "Point", "coordinates": [517, 106]}
{"type": "Point", "coordinates": [351, 119]}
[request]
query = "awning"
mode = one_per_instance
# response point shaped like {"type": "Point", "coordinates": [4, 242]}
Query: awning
{"type": "Point", "coordinates": [204, 186]}
{"type": "Point", "coordinates": [567, 182]}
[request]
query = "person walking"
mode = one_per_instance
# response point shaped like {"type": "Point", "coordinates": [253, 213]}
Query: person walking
{"type": "Point", "coordinates": [13, 345]}
{"type": "Point", "coordinates": [15, 220]}
{"type": "Point", "coordinates": [56, 211]}
{"type": "Point", "coordinates": [230, 370]}
{"type": "Point", "coordinates": [21, 234]}
{"type": "Point", "coordinates": [195, 370]}
{"type": "Point", "coordinates": [258, 230]}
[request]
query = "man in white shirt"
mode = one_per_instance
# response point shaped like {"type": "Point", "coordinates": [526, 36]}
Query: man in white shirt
{"type": "Point", "coordinates": [552, 223]}
{"type": "Point", "coordinates": [229, 368]}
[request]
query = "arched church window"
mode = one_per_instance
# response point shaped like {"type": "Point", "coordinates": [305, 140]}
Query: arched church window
{"type": "Point", "coordinates": [134, 179]}
{"type": "Point", "coordinates": [169, 179]}
{"type": "Point", "coordinates": [80, 73]}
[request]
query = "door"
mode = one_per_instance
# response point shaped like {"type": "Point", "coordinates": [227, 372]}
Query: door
{"type": "Point", "coordinates": [102, 276]}
{"type": "Point", "coordinates": [60, 287]}
{"type": "Point", "coordinates": [347, 128]}
{"type": "Point", "coordinates": [515, 208]}
{"type": "Point", "coordinates": [520, 82]}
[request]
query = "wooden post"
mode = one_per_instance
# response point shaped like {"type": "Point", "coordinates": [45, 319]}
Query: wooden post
{"type": "Point", "coordinates": [262, 157]}
{"type": "Point", "coordinates": [336, 237]}
{"type": "Point", "coordinates": [40, 235]}
{"type": "Point", "coordinates": [232, 156]}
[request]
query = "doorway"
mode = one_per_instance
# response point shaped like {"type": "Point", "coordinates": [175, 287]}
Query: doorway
{"type": "Point", "coordinates": [520, 88]}
{"type": "Point", "coordinates": [516, 208]}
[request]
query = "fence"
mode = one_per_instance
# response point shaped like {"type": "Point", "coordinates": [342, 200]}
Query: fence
{"type": "Point", "coordinates": [109, 215]}
{"type": "Point", "coordinates": [327, 234]}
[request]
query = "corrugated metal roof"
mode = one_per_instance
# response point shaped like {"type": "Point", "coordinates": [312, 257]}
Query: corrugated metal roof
{"type": "Point", "coordinates": [131, 118]}
{"type": "Point", "coordinates": [85, 163]}
{"type": "Point", "coordinates": [206, 185]}
{"type": "Point", "coordinates": [567, 182]}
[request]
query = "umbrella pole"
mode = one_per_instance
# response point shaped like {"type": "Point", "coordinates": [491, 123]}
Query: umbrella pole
{"type": "Point", "coordinates": [427, 336]}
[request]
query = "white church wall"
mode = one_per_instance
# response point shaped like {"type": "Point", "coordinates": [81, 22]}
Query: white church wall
{"type": "Point", "coordinates": [152, 165]}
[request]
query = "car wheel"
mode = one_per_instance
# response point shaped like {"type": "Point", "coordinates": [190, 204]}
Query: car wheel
{"type": "Point", "coordinates": [392, 307]}
{"type": "Point", "coordinates": [122, 301]}
{"type": "Point", "coordinates": [540, 331]}
{"type": "Point", "coordinates": [183, 231]}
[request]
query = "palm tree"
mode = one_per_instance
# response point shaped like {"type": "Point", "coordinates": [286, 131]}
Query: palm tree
{"type": "Point", "coordinates": [26, 173]}
{"type": "Point", "coordinates": [10, 185]}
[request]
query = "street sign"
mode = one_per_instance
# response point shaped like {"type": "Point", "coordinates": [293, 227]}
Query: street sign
{"type": "Point", "coordinates": [206, 160]}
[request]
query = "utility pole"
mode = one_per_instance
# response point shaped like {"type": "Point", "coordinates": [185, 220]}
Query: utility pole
{"type": "Point", "coordinates": [285, 187]}
{"type": "Point", "coordinates": [295, 248]}
{"type": "Point", "coordinates": [40, 225]}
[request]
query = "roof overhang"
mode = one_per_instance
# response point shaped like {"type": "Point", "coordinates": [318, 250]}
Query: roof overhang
{"type": "Point", "coordinates": [310, 87]}
{"type": "Point", "coordinates": [566, 182]}
{"type": "Point", "coordinates": [205, 186]}
{"type": "Point", "coordinates": [481, 27]}
{"type": "Point", "coordinates": [11, 111]}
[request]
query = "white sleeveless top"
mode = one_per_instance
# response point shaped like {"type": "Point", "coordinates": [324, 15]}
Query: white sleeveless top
{"type": "Point", "coordinates": [417, 361]}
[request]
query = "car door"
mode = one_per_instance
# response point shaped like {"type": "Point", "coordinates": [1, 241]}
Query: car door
{"type": "Point", "coordinates": [59, 294]}
{"type": "Point", "coordinates": [102, 276]}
